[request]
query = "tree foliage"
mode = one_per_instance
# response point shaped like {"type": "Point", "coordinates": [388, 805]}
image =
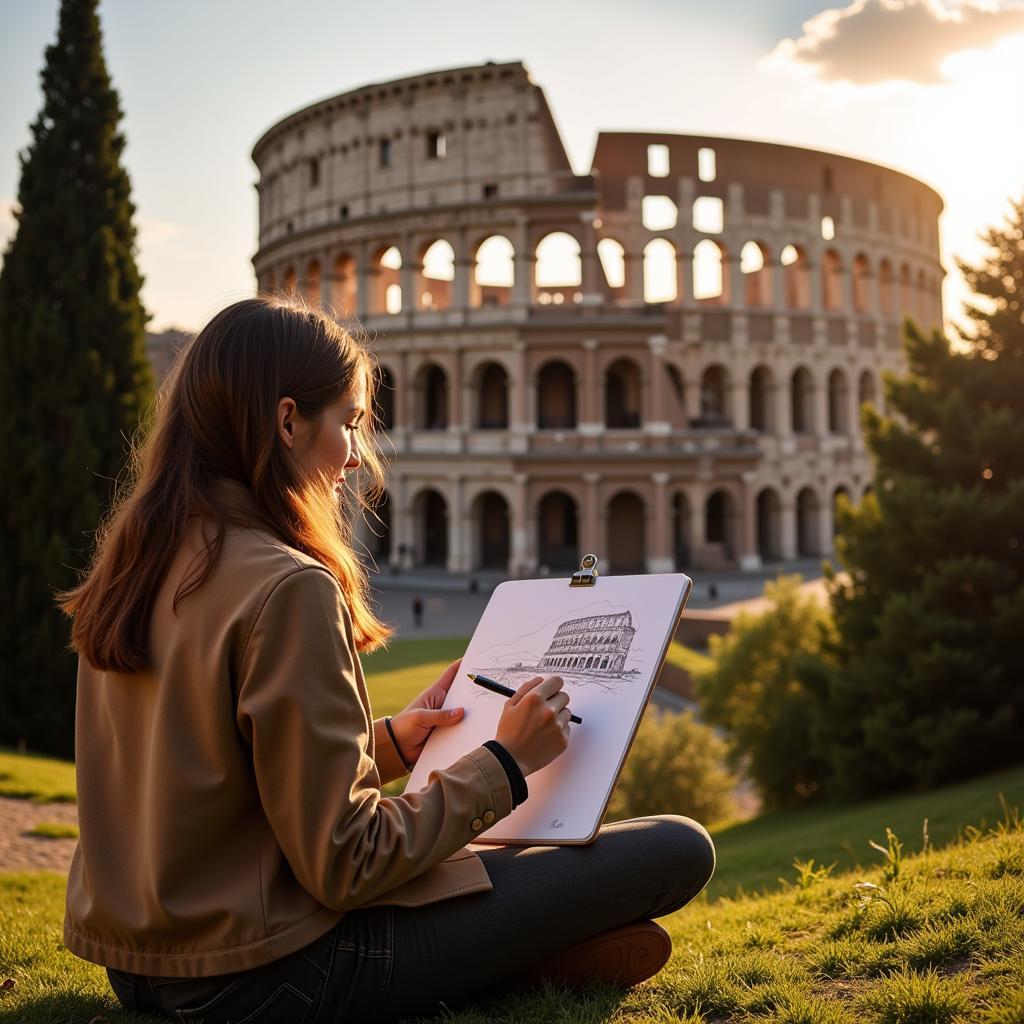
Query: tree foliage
{"type": "Point", "coordinates": [763, 689]}
{"type": "Point", "coordinates": [930, 679]}
{"type": "Point", "coordinates": [74, 378]}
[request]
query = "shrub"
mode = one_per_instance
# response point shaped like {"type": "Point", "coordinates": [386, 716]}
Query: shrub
{"type": "Point", "coordinates": [675, 766]}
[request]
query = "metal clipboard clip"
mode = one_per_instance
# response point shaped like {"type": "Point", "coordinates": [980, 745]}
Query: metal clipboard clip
{"type": "Point", "coordinates": [586, 575]}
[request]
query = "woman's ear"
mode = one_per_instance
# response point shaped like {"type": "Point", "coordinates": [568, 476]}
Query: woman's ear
{"type": "Point", "coordinates": [286, 421]}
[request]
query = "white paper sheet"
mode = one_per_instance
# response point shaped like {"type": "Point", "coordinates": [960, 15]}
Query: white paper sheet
{"type": "Point", "coordinates": [607, 642]}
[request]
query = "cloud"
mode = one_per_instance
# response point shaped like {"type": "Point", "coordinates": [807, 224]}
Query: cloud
{"type": "Point", "coordinates": [892, 40]}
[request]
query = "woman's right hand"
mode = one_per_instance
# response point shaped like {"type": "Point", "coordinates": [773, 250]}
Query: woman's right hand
{"type": "Point", "coordinates": [534, 725]}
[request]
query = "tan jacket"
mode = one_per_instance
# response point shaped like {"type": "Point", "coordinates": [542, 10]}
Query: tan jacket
{"type": "Point", "coordinates": [229, 798]}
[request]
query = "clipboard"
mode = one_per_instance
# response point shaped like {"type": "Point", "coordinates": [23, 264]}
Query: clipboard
{"type": "Point", "coordinates": [608, 639]}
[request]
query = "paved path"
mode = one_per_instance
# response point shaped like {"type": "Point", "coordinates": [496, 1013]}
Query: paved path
{"type": "Point", "coordinates": [22, 852]}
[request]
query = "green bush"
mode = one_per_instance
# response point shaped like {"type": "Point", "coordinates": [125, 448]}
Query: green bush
{"type": "Point", "coordinates": [675, 766]}
{"type": "Point", "coordinates": [764, 689]}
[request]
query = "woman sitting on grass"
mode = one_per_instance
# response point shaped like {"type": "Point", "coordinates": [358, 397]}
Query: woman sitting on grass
{"type": "Point", "coordinates": [237, 859]}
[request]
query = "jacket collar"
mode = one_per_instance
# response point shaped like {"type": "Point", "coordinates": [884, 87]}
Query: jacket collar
{"type": "Point", "coordinates": [235, 497]}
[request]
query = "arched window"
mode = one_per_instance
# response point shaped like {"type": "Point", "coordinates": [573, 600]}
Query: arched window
{"type": "Point", "coordinates": [796, 277]}
{"type": "Point", "coordinates": [761, 392]}
{"type": "Point", "coordinates": [756, 270]}
{"type": "Point", "coordinates": [492, 397]}
{"type": "Point", "coordinates": [556, 396]}
{"type": "Point", "coordinates": [622, 395]}
{"type": "Point", "coordinates": [558, 272]}
{"type": "Point", "coordinates": [311, 283]}
{"type": "Point", "coordinates": [613, 263]}
{"type": "Point", "coordinates": [832, 280]}
{"type": "Point", "coordinates": [861, 276]}
{"type": "Point", "coordinates": [493, 273]}
{"type": "Point", "coordinates": [713, 403]}
{"type": "Point", "coordinates": [344, 286]}
{"type": "Point", "coordinates": [710, 285]}
{"type": "Point", "coordinates": [387, 292]}
{"type": "Point", "coordinates": [838, 402]}
{"type": "Point", "coordinates": [659, 271]}
{"type": "Point", "coordinates": [885, 288]}
{"type": "Point", "coordinates": [437, 272]}
{"type": "Point", "coordinates": [802, 401]}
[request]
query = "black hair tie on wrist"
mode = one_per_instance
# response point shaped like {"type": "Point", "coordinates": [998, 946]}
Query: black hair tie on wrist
{"type": "Point", "coordinates": [391, 733]}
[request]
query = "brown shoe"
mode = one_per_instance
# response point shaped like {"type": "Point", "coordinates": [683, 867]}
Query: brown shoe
{"type": "Point", "coordinates": [622, 956]}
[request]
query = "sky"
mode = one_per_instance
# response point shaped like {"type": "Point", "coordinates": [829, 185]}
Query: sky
{"type": "Point", "coordinates": [934, 88]}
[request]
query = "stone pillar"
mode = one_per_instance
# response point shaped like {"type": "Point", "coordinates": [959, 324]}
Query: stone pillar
{"type": "Point", "coordinates": [523, 553]}
{"type": "Point", "coordinates": [590, 538]}
{"type": "Point", "coordinates": [455, 397]}
{"type": "Point", "coordinates": [634, 277]}
{"type": "Point", "coordinates": [407, 528]}
{"type": "Point", "coordinates": [519, 406]}
{"type": "Point", "coordinates": [590, 272]}
{"type": "Point", "coordinates": [326, 279]}
{"type": "Point", "coordinates": [781, 397]}
{"type": "Point", "coordinates": [787, 531]}
{"type": "Point", "coordinates": [464, 266]}
{"type": "Point", "coordinates": [733, 279]}
{"type": "Point", "coordinates": [590, 392]}
{"type": "Point", "coordinates": [400, 533]}
{"type": "Point", "coordinates": [819, 402]}
{"type": "Point", "coordinates": [365, 279]}
{"type": "Point", "coordinates": [523, 260]}
{"type": "Point", "coordinates": [409, 276]}
{"type": "Point", "coordinates": [740, 403]}
{"type": "Point", "coordinates": [691, 387]}
{"type": "Point", "coordinates": [660, 557]}
{"type": "Point", "coordinates": [457, 524]}
{"type": "Point", "coordinates": [749, 557]}
{"type": "Point", "coordinates": [826, 517]}
{"type": "Point", "coordinates": [657, 422]}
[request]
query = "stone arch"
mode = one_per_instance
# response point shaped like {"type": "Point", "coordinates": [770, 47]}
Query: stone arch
{"type": "Point", "coordinates": [435, 275]}
{"type": "Point", "coordinates": [290, 282]}
{"type": "Point", "coordinates": [681, 526]}
{"type": "Point", "coordinates": [885, 288]}
{"type": "Point", "coordinates": [431, 388]}
{"type": "Point", "coordinates": [494, 262]}
{"type": "Point", "coordinates": [861, 278]}
{"type": "Point", "coordinates": [796, 277]}
{"type": "Point", "coordinates": [714, 397]}
{"type": "Point", "coordinates": [756, 267]}
{"type": "Point", "coordinates": [557, 531]}
{"type": "Point", "coordinates": [841, 492]}
{"type": "Point", "coordinates": [386, 271]}
{"type": "Point", "coordinates": [430, 515]}
{"type": "Point", "coordinates": [311, 282]}
{"type": "Point", "coordinates": [490, 388]}
{"type": "Point", "coordinates": [660, 274]}
{"type": "Point", "coordinates": [838, 402]}
{"type": "Point", "coordinates": [720, 526]}
{"type": "Point", "coordinates": [627, 544]}
{"type": "Point", "coordinates": [808, 523]}
{"type": "Point", "coordinates": [832, 280]}
{"type": "Point", "coordinates": [622, 394]}
{"type": "Point", "coordinates": [612, 256]}
{"type": "Point", "coordinates": [710, 285]}
{"type": "Point", "coordinates": [866, 390]}
{"type": "Point", "coordinates": [345, 286]}
{"type": "Point", "coordinates": [492, 522]}
{"type": "Point", "coordinates": [556, 396]}
{"type": "Point", "coordinates": [676, 412]}
{"type": "Point", "coordinates": [801, 394]}
{"type": "Point", "coordinates": [761, 396]}
{"type": "Point", "coordinates": [558, 271]}
{"type": "Point", "coordinates": [768, 509]}
{"type": "Point", "coordinates": [906, 292]}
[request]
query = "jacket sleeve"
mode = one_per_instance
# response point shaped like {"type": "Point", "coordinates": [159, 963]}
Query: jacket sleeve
{"type": "Point", "coordinates": [304, 711]}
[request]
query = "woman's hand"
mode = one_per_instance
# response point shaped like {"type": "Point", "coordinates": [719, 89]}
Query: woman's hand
{"type": "Point", "coordinates": [414, 724]}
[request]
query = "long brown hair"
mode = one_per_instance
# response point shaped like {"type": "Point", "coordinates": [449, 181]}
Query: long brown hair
{"type": "Point", "coordinates": [216, 417]}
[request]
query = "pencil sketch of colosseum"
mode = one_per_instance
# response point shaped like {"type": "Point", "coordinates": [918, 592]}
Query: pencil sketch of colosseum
{"type": "Point", "coordinates": [588, 650]}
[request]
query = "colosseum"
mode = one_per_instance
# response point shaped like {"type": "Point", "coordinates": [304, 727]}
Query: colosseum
{"type": "Point", "coordinates": [661, 361]}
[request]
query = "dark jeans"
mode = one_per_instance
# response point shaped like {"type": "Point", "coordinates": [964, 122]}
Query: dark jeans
{"type": "Point", "coordinates": [384, 963]}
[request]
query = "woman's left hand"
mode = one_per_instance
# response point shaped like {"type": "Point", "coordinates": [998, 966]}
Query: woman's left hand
{"type": "Point", "coordinates": [414, 724]}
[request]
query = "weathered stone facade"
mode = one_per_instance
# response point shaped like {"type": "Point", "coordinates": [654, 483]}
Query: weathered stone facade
{"type": "Point", "coordinates": [596, 644]}
{"type": "Point", "coordinates": [661, 361]}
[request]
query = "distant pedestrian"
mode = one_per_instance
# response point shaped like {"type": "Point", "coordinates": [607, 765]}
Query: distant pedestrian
{"type": "Point", "coordinates": [417, 610]}
{"type": "Point", "coordinates": [713, 592]}
{"type": "Point", "coordinates": [473, 585]}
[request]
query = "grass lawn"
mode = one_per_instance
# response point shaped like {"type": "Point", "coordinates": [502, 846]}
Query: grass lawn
{"type": "Point", "coordinates": [935, 938]}
{"type": "Point", "coordinates": [41, 779]}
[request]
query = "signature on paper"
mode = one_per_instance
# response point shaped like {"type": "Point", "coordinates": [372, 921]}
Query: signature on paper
{"type": "Point", "coordinates": [555, 823]}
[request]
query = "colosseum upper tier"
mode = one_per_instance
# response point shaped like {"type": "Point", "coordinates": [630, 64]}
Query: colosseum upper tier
{"type": "Point", "coordinates": [661, 361]}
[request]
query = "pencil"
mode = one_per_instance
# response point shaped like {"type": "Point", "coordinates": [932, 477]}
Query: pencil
{"type": "Point", "coordinates": [506, 691]}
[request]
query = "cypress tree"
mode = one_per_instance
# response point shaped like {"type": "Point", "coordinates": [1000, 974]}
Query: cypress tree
{"type": "Point", "coordinates": [74, 377]}
{"type": "Point", "coordinates": [931, 684]}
